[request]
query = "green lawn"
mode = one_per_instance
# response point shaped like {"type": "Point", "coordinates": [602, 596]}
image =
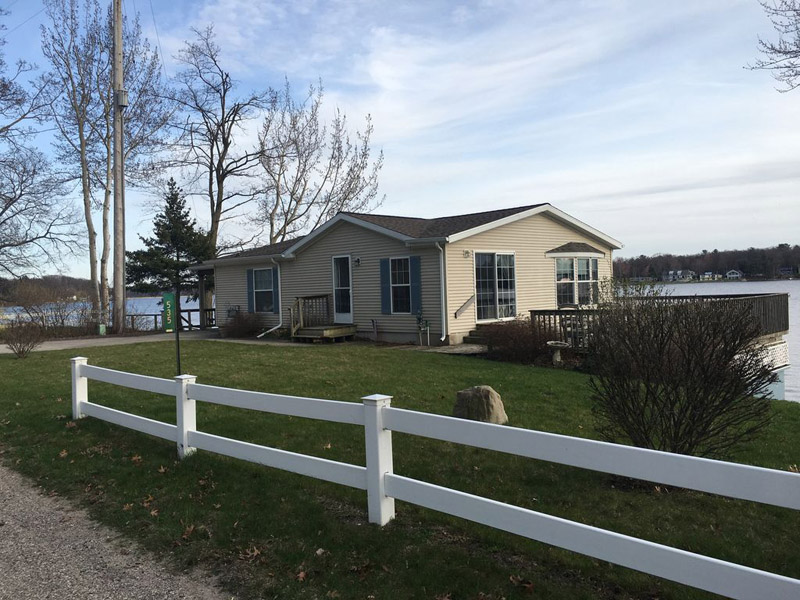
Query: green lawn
{"type": "Point", "coordinates": [270, 534]}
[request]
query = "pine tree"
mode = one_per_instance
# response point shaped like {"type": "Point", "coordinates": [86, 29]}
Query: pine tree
{"type": "Point", "coordinates": [177, 244]}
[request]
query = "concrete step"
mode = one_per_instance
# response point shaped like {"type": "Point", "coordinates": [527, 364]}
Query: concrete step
{"type": "Point", "coordinates": [474, 339]}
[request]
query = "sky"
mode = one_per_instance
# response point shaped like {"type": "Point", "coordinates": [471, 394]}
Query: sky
{"type": "Point", "coordinates": [639, 118]}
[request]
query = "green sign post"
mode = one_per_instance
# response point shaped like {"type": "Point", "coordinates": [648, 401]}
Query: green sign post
{"type": "Point", "coordinates": [169, 312]}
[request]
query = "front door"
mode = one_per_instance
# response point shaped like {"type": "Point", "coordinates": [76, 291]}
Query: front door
{"type": "Point", "coordinates": [342, 290]}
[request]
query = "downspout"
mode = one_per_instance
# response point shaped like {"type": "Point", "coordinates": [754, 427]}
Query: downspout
{"type": "Point", "coordinates": [280, 312]}
{"type": "Point", "coordinates": [441, 290]}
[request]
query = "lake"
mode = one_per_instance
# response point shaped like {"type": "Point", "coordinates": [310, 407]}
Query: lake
{"type": "Point", "coordinates": [784, 286]}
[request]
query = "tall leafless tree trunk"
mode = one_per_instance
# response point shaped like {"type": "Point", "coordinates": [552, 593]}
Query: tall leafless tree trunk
{"type": "Point", "coordinates": [208, 146]}
{"type": "Point", "coordinates": [78, 46]}
{"type": "Point", "coordinates": [69, 46]}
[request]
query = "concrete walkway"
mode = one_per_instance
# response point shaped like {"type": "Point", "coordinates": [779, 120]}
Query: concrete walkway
{"type": "Point", "coordinates": [213, 335]}
{"type": "Point", "coordinates": [49, 550]}
{"type": "Point", "coordinates": [113, 340]}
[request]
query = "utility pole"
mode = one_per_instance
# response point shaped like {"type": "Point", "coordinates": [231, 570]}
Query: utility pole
{"type": "Point", "coordinates": [120, 102]}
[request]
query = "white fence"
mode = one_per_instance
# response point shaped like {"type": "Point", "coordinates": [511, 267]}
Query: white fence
{"type": "Point", "coordinates": [378, 419]}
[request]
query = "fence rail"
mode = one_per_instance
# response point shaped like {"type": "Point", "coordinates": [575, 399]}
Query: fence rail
{"type": "Point", "coordinates": [574, 325]}
{"type": "Point", "coordinates": [378, 420]}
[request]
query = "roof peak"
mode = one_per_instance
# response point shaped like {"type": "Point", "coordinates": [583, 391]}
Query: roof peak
{"type": "Point", "coordinates": [510, 210]}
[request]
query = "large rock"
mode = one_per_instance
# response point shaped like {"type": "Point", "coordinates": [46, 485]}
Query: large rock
{"type": "Point", "coordinates": [480, 403]}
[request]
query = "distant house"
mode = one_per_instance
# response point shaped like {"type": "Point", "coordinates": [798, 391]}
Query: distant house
{"type": "Point", "coordinates": [734, 274]}
{"type": "Point", "coordinates": [387, 275]}
{"type": "Point", "coordinates": [679, 275]}
{"type": "Point", "coordinates": [710, 276]}
{"type": "Point", "coordinates": [787, 271]}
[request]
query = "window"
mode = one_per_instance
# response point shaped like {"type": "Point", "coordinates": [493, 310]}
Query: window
{"type": "Point", "coordinates": [580, 289]}
{"type": "Point", "coordinates": [262, 290]}
{"type": "Point", "coordinates": [401, 285]}
{"type": "Point", "coordinates": [495, 286]}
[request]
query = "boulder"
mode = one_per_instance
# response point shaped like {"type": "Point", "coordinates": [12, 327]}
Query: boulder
{"type": "Point", "coordinates": [480, 403]}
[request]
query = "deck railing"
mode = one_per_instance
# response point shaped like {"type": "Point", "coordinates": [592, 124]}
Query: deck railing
{"type": "Point", "coordinates": [574, 325]}
{"type": "Point", "coordinates": [379, 419]}
{"type": "Point", "coordinates": [143, 321]}
{"type": "Point", "coordinates": [310, 311]}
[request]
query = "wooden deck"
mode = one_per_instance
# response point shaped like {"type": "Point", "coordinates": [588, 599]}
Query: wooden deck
{"type": "Point", "coordinates": [325, 332]}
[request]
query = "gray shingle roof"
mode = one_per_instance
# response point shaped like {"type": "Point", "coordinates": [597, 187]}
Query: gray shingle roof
{"type": "Point", "coordinates": [576, 247]}
{"type": "Point", "coordinates": [439, 227]}
{"type": "Point", "coordinates": [268, 250]}
{"type": "Point", "coordinates": [411, 226]}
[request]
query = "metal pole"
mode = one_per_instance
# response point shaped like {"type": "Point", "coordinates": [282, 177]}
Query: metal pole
{"type": "Point", "coordinates": [178, 312]}
{"type": "Point", "coordinates": [120, 102]}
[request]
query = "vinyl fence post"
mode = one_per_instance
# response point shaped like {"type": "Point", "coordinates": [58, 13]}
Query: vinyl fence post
{"type": "Point", "coordinates": [379, 459]}
{"type": "Point", "coordinates": [80, 387]}
{"type": "Point", "coordinates": [187, 414]}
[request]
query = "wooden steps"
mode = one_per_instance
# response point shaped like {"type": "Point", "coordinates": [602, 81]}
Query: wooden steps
{"type": "Point", "coordinates": [326, 332]}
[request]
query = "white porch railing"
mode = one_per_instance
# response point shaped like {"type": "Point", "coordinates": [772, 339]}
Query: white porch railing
{"type": "Point", "coordinates": [378, 419]}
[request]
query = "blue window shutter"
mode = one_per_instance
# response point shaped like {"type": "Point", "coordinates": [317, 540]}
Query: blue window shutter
{"type": "Point", "coordinates": [276, 294]}
{"type": "Point", "coordinates": [386, 288]}
{"type": "Point", "coordinates": [416, 284]}
{"type": "Point", "coordinates": [250, 300]}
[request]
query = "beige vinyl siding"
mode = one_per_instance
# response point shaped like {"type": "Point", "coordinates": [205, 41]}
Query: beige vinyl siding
{"type": "Point", "coordinates": [230, 291]}
{"type": "Point", "coordinates": [311, 273]}
{"type": "Point", "coordinates": [529, 239]}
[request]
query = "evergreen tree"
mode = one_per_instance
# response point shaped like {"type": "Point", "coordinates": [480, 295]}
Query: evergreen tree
{"type": "Point", "coordinates": [177, 244]}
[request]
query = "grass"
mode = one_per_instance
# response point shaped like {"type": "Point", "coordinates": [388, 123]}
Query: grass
{"type": "Point", "coordinates": [272, 534]}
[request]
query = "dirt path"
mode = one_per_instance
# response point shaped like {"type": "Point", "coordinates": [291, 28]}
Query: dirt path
{"type": "Point", "coordinates": [49, 550]}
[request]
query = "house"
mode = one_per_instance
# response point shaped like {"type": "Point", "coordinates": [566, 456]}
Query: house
{"type": "Point", "coordinates": [387, 276]}
{"type": "Point", "coordinates": [734, 274]}
{"type": "Point", "coordinates": [710, 276]}
{"type": "Point", "coordinates": [680, 275]}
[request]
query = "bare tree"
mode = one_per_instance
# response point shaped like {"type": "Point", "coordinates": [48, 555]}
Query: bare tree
{"type": "Point", "coordinates": [20, 104]}
{"type": "Point", "coordinates": [70, 45]}
{"type": "Point", "coordinates": [782, 58]}
{"type": "Point", "coordinates": [79, 46]}
{"type": "Point", "coordinates": [35, 224]}
{"type": "Point", "coordinates": [146, 118]}
{"type": "Point", "coordinates": [311, 171]}
{"type": "Point", "coordinates": [209, 145]}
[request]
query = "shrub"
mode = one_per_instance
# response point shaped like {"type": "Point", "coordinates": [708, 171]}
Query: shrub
{"type": "Point", "coordinates": [685, 377]}
{"type": "Point", "coordinates": [22, 337]}
{"type": "Point", "coordinates": [241, 325]}
{"type": "Point", "coordinates": [519, 341]}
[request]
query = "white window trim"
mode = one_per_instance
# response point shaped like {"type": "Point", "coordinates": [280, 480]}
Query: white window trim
{"type": "Point", "coordinates": [271, 290]}
{"type": "Point", "coordinates": [333, 282]}
{"type": "Point", "coordinates": [575, 282]}
{"type": "Point", "coordinates": [496, 291]}
{"type": "Point", "coordinates": [394, 285]}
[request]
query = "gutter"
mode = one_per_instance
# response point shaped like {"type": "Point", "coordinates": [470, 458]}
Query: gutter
{"type": "Point", "coordinates": [280, 312]}
{"type": "Point", "coordinates": [441, 289]}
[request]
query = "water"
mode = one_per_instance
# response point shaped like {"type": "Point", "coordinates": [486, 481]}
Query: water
{"type": "Point", "coordinates": [785, 286]}
{"type": "Point", "coordinates": [152, 305]}
{"type": "Point", "coordinates": [135, 306]}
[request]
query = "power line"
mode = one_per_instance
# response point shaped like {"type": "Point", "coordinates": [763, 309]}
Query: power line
{"type": "Point", "coordinates": [158, 39]}
{"type": "Point", "coordinates": [26, 20]}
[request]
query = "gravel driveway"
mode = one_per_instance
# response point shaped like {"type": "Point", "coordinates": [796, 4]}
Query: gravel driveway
{"type": "Point", "coordinates": [49, 550]}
